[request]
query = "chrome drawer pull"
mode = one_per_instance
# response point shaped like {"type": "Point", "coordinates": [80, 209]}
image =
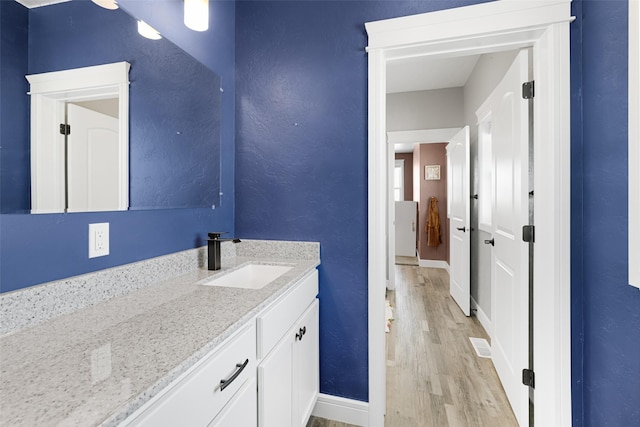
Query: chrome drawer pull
{"type": "Point", "coordinates": [225, 383]}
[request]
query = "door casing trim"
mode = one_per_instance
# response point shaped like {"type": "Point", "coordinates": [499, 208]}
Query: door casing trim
{"type": "Point", "coordinates": [484, 28]}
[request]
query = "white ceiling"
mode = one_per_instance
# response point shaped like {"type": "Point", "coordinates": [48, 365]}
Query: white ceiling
{"type": "Point", "coordinates": [424, 73]}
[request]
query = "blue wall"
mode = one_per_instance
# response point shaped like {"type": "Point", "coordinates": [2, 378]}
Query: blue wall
{"type": "Point", "coordinates": [40, 248]}
{"type": "Point", "coordinates": [15, 189]}
{"type": "Point", "coordinates": [577, 240]}
{"type": "Point", "coordinates": [301, 174]}
{"type": "Point", "coordinates": [611, 308]}
{"type": "Point", "coordinates": [215, 48]}
{"type": "Point", "coordinates": [301, 170]}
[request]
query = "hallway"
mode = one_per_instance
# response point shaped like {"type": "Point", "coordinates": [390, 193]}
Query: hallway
{"type": "Point", "coordinates": [434, 377]}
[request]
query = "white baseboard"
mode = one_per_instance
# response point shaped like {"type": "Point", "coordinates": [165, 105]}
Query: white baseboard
{"type": "Point", "coordinates": [430, 263]}
{"type": "Point", "coordinates": [336, 408]}
{"type": "Point", "coordinates": [483, 318]}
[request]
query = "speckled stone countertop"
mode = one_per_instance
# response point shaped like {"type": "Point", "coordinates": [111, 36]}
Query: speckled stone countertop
{"type": "Point", "coordinates": [98, 364]}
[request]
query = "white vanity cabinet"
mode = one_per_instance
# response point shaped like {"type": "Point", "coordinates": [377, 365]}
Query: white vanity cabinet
{"type": "Point", "coordinates": [266, 374]}
{"type": "Point", "coordinates": [288, 366]}
{"type": "Point", "coordinates": [216, 391]}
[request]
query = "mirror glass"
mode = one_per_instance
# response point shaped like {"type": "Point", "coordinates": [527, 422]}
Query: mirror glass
{"type": "Point", "coordinates": [174, 102]}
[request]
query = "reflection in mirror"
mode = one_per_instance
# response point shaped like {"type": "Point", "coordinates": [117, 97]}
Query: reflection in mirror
{"type": "Point", "coordinates": [174, 104]}
{"type": "Point", "coordinates": [80, 139]}
{"type": "Point", "coordinates": [93, 169]}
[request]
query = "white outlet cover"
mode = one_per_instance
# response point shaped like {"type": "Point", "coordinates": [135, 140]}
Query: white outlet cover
{"type": "Point", "coordinates": [98, 239]}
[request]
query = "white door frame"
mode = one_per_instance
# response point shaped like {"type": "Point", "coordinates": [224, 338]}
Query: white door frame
{"type": "Point", "coordinates": [49, 93]}
{"type": "Point", "coordinates": [420, 136]}
{"type": "Point", "coordinates": [391, 222]}
{"type": "Point", "coordinates": [482, 28]}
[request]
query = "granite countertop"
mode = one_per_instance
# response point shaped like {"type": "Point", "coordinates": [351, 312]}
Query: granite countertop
{"type": "Point", "coordinates": [97, 365]}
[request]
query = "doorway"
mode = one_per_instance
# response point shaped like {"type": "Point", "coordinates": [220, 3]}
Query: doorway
{"type": "Point", "coordinates": [88, 89]}
{"type": "Point", "coordinates": [480, 29]}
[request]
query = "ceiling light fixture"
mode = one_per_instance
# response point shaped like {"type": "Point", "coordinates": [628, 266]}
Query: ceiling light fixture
{"type": "Point", "coordinates": [146, 30]}
{"type": "Point", "coordinates": [196, 14]}
{"type": "Point", "coordinates": [107, 4]}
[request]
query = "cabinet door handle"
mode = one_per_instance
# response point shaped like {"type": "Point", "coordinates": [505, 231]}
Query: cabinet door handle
{"type": "Point", "coordinates": [240, 367]}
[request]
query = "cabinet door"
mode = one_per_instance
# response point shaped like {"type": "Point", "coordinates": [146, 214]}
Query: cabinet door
{"type": "Point", "coordinates": [275, 381]}
{"type": "Point", "coordinates": [241, 410]}
{"type": "Point", "coordinates": [306, 366]}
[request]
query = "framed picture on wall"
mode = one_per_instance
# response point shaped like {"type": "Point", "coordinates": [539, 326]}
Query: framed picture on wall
{"type": "Point", "coordinates": [432, 172]}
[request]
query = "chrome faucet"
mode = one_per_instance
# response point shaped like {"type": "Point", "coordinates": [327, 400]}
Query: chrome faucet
{"type": "Point", "coordinates": [213, 245]}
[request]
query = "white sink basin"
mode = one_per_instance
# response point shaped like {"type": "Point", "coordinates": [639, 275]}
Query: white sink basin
{"type": "Point", "coordinates": [250, 276]}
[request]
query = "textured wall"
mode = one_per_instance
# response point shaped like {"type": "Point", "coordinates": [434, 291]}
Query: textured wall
{"type": "Point", "coordinates": [302, 153]}
{"type": "Point", "coordinates": [39, 248]}
{"type": "Point", "coordinates": [577, 241]}
{"type": "Point", "coordinates": [15, 195]}
{"type": "Point", "coordinates": [611, 308]}
{"type": "Point", "coordinates": [425, 109]}
{"type": "Point", "coordinates": [215, 48]}
{"type": "Point", "coordinates": [433, 154]}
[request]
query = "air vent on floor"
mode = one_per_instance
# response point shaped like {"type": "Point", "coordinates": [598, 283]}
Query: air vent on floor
{"type": "Point", "coordinates": [481, 346]}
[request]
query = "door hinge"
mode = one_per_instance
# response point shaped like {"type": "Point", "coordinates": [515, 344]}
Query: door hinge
{"type": "Point", "coordinates": [65, 129]}
{"type": "Point", "coordinates": [528, 90]}
{"type": "Point", "coordinates": [528, 378]}
{"type": "Point", "coordinates": [529, 233]}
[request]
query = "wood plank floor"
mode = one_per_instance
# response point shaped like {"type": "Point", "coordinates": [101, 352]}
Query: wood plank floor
{"type": "Point", "coordinates": [434, 377]}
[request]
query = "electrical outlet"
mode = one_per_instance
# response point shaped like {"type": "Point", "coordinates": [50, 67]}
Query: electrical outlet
{"type": "Point", "coordinates": [98, 239]}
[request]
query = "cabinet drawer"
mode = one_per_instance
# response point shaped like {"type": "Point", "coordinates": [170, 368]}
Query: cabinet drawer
{"type": "Point", "coordinates": [278, 318]}
{"type": "Point", "coordinates": [241, 410]}
{"type": "Point", "coordinates": [195, 398]}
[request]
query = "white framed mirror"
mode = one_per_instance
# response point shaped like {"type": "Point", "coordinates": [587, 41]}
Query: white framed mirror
{"type": "Point", "coordinates": [79, 155]}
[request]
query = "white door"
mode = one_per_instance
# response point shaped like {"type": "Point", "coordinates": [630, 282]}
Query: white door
{"type": "Point", "coordinates": [93, 161]}
{"type": "Point", "coordinates": [459, 224]}
{"type": "Point", "coordinates": [406, 217]}
{"type": "Point", "coordinates": [510, 288]}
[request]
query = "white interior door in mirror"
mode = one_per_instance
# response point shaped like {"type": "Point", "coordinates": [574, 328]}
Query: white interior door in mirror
{"type": "Point", "coordinates": [92, 160]}
{"type": "Point", "coordinates": [50, 94]}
